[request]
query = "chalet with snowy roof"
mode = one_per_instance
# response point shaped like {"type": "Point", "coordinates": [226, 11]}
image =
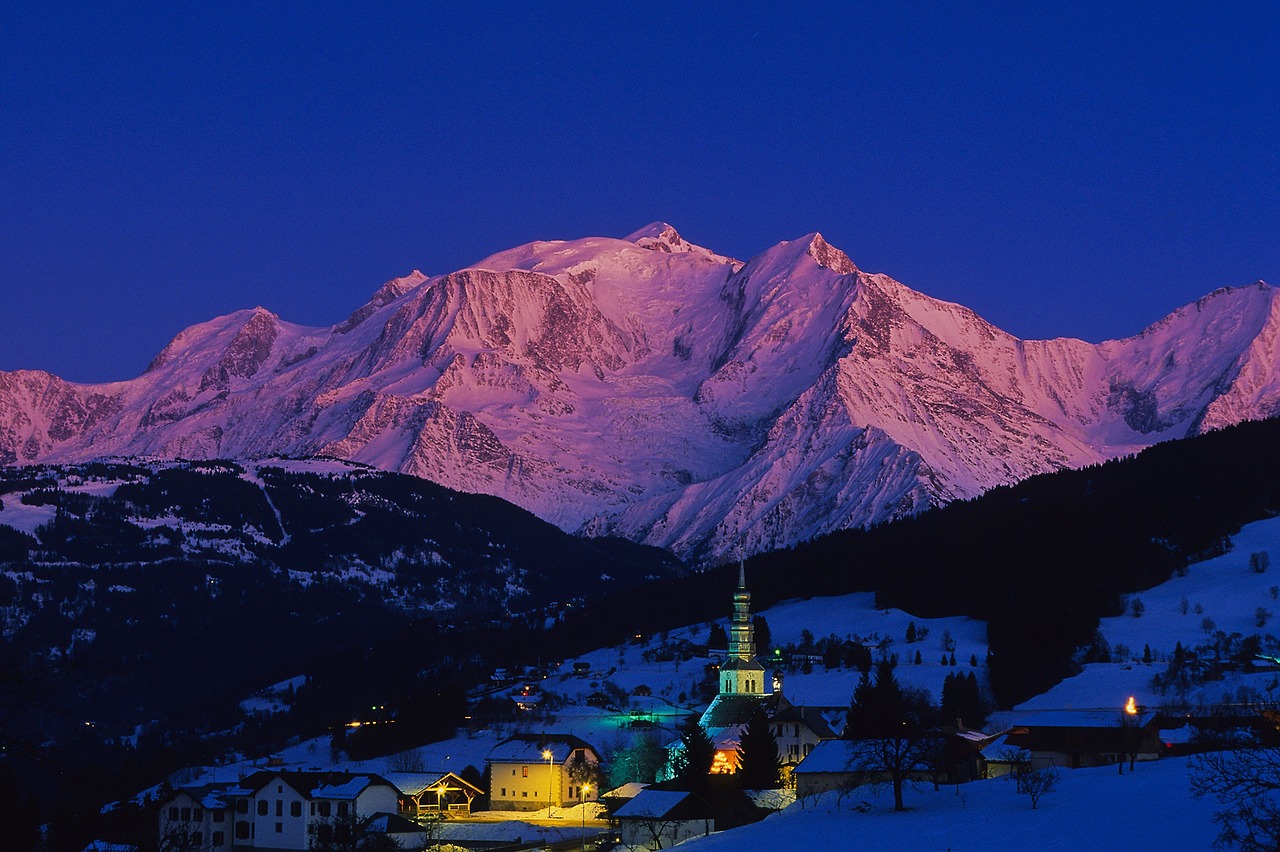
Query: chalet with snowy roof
{"type": "Point", "coordinates": [1081, 738]}
{"type": "Point", "coordinates": [430, 793]}
{"type": "Point", "coordinates": [657, 819]}
{"type": "Point", "coordinates": [274, 810]}
{"type": "Point", "coordinates": [529, 772]}
{"type": "Point", "coordinates": [830, 766]}
{"type": "Point", "coordinates": [658, 816]}
{"type": "Point", "coordinates": [838, 764]}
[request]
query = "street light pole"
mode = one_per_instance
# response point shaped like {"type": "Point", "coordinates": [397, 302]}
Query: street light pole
{"type": "Point", "coordinates": [582, 806]}
{"type": "Point", "coordinates": [550, 781]}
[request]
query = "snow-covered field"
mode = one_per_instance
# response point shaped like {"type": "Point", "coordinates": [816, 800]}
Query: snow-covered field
{"type": "Point", "coordinates": [1092, 809]}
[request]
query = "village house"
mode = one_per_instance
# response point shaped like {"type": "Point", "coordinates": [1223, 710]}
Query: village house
{"type": "Point", "coordinates": [1074, 739]}
{"type": "Point", "coordinates": [276, 810]}
{"type": "Point", "coordinates": [528, 772]}
{"type": "Point", "coordinates": [799, 729]}
{"type": "Point", "coordinates": [830, 766]}
{"type": "Point", "coordinates": [659, 817]}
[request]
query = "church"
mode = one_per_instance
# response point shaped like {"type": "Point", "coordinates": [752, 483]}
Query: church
{"type": "Point", "coordinates": [741, 684]}
{"type": "Point", "coordinates": [742, 678]}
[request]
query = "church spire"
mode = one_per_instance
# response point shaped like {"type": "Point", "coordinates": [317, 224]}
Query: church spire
{"type": "Point", "coordinates": [741, 674]}
{"type": "Point", "coordinates": [742, 640]}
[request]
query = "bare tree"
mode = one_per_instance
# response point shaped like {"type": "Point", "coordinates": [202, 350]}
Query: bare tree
{"type": "Point", "coordinates": [1035, 783]}
{"type": "Point", "coordinates": [1247, 783]}
{"type": "Point", "coordinates": [892, 731]}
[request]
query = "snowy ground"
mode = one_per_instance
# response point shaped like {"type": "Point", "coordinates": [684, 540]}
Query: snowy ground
{"type": "Point", "coordinates": [1093, 809]}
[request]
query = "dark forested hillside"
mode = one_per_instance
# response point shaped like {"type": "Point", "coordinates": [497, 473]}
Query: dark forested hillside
{"type": "Point", "coordinates": [140, 603]}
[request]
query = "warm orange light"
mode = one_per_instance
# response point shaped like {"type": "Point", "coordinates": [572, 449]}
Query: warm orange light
{"type": "Point", "coordinates": [1131, 707]}
{"type": "Point", "coordinates": [721, 764]}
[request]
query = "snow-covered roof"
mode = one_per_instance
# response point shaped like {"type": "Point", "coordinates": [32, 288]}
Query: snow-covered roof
{"type": "Point", "coordinates": [830, 756]}
{"type": "Point", "coordinates": [1105, 717]}
{"type": "Point", "coordinates": [771, 800]}
{"type": "Point", "coordinates": [385, 823]}
{"type": "Point", "coordinates": [528, 748]}
{"type": "Point", "coordinates": [314, 785]}
{"type": "Point", "coordinates": [998, 748]}
{"type": "Point", "coordinates": [415, 783]}
{"type": "Point", "coordinates": [348, 789]}
{"type": "Point", "coordinates": [627, 791]}
{"type": "Point", "coordinates": [651, 803]}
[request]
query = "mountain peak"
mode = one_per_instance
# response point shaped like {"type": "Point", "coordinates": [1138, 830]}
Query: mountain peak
{"type": "Point", "coordinates": [659, 236]}
{"type": "Point", "coordinates": [397, 287]}
{"type": "Point", "coordinates": [829, 256]}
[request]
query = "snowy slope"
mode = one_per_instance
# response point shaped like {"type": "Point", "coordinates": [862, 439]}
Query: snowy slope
{"type": "Point", "coordinates": [650, 387]}
{"type": "Point", "coordinates": [1150, 808]}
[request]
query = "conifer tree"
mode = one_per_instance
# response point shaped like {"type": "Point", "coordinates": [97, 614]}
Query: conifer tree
{"type": "Point", "coordinates": [758, 767]}
{"type": "Point", "coordinates": [692, 762]}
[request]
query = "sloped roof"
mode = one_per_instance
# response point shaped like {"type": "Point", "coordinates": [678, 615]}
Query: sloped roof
{"type": "Point", "coordinates": [316, 785]}
{"type": "Point", "coordinates": [210, 796]}
{"type": "Point", "coordinates": [826, 722]}
{"type": "Point", "coordinates": [416, 783]}
{"type": "Point", "coordinates": [830, 756]}
{"type": "Point", "coordinates": [627, 791]}
{"type": "Point", "coordinates": [727, 710]}
{"type": "Point", "coordinates": [384, 823]}
{"type": "Point", "coordinates": [528, 748]}
{"type": "Point", "coordinates": [739, 664]}
{"type": "Point", "coordinates": [997, 749]}
{"type": "Point", "coordinates": [1101, 718]}
{"type": "Point", "coordinates": [654, 804]}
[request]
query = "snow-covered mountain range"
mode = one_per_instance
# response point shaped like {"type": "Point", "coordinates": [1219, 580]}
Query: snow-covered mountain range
{"type": "Point", "coordinates": [651, 388]}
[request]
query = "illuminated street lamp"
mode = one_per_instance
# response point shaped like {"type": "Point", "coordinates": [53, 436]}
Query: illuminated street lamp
{"type": "Point", "coordinates": [582, 806]}
{"type": "Point", "coordinates": [550, 781]}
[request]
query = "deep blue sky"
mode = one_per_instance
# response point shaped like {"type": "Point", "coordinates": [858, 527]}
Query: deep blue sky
{"type": "Point", "coordinates": [1074, 172]}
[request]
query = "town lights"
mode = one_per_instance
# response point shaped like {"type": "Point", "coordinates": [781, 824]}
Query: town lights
{"type": "Point", "coordinates": [1131, 707]}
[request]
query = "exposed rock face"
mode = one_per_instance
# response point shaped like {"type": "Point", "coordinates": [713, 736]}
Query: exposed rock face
{"type": "Point", "coordinates": [652, 388]}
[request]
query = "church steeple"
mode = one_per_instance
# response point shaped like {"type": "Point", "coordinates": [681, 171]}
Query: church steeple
{"type": "Point", "coordinates": [742, 639]}
{"type": "Point", "coordinates": [741, 674]}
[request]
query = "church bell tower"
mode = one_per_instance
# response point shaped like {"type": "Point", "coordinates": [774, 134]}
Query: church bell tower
{"type": "Point", "coordinates": [741, 674]}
